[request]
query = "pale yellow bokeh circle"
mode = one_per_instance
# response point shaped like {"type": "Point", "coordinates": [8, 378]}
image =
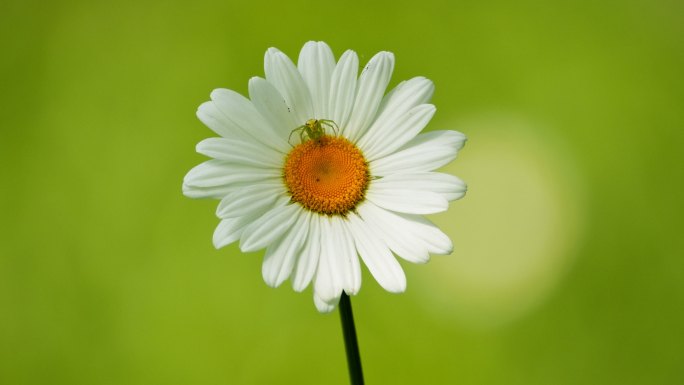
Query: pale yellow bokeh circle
{"type": "Point", "coordinates": [516, 230]}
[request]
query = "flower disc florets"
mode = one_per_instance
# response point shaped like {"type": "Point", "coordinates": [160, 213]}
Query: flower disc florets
{"type": "Point", "coordinates": [328, 176]}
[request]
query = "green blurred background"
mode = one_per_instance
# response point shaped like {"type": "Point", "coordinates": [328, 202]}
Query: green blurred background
{"type": "Point", "coordinates": [568, 266]}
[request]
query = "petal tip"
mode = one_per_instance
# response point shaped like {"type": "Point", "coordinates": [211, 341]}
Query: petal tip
{"type": "Point", "coordinates": [272, 51]}
{"type": "Point", "coordinates": [325, 306]}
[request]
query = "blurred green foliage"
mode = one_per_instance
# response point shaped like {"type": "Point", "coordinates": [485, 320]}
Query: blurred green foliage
{"type": "Point", "coordinates": [108, 275]}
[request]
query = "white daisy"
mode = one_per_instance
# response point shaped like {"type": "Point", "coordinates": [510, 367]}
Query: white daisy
{"type": "Point", "coordinates": [320, 167]}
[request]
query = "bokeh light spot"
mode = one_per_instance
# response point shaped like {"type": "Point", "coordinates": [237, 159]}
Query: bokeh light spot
{"type": "Point", "coordinates": [514, 232]}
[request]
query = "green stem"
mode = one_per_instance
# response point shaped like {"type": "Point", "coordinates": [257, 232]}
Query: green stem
{"type": "Point", "coordinates": [350, 343]}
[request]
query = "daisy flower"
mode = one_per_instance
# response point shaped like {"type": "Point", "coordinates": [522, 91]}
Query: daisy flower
{"type": "Point", "coordinates": [320, 167]}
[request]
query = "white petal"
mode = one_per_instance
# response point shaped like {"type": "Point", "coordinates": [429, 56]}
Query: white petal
{"type": "Point", "coordinates": [269, 227]}
{"type": "Point", "coordinates": [280, 258]}
{"type": "Point", "coordinates": [437, 241]}
{"type": "Point", "coordinates": [397, 132]}
{"type": "Point", "coordinates": [272, 106]}
{"type": "Point", "coordinates": [217, 179]}
{"type": "Point", "coordinates": [324, 306]}
{"type": "Point", "coordinates": [242, 113]}
{"type": "Point", "coordinates": [395, 233]}
{"type": "Point", "coordinates": [229, 230]}
{"type": "Point", "coordinates": [371, 87]}
{"type": "Point", "coordinates": [406, 201]}
{"type": "Point", "coordinates": [347, 261]}
{"type": "Point", "coordinates": [404, 96]}
{"type": "Point", "coordinates": [249, 199]}
{"type": "Point", "coordinates": [209, 114]}
{"type": "Point", "coordinates": [328, 283]}
{"type": "Point", "coordinates": [376, 256]}
{"type": "Point", "coordinates": [283, 74]}
{"type": "Point", "coordinates": [215, 192]}
{"type": "Point", "coordinates": [316, 64]}
{"type": "Point", "coordinates": [220, 172]}
{"type": "Point", "coordinates": [449, 186]}
{"type": "Point", "coordinates": [426, 152]}
{"type": "Point", "coordinates": [308, 261]}
{"type": "Point", "coordinates": [434, 239]}
{"type": "Point", "coordinates": [245, 152]}
{"type": "Point", "coordinates": [395, 104]}
{"type": "Point", "coordinates": [343, 89]}
{"type": "Point", "coordinates": [221, 191]}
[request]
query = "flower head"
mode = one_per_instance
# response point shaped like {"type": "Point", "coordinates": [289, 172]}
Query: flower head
{"type": "Point", "coordinates": [320, 167]}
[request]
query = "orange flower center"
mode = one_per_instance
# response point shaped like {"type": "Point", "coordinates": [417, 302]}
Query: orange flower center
{"type": "Point", "coordinates": [327, 176]}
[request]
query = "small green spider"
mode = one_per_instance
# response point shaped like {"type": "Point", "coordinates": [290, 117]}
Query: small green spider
{"type": "Point", "coordinates": [313, 129]}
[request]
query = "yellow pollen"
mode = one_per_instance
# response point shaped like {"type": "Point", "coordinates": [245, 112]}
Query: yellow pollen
{"type": "Point", "coordinates": [327, 176]}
